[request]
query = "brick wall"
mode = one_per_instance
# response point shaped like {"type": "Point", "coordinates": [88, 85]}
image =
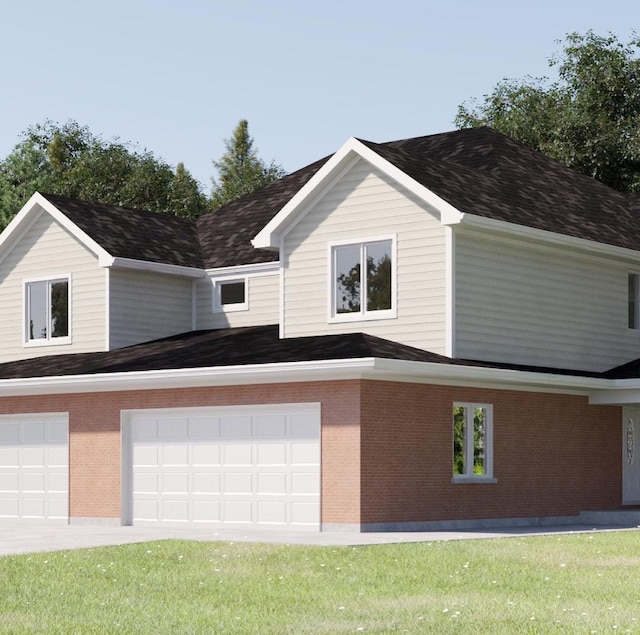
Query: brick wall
{"type": "Point", "coordinates": [553, 455]}
{"type": "Point", "coordinates": [94, 430]}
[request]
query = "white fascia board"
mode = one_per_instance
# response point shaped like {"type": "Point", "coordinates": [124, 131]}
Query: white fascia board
{"type": "Point", "coordinates": [620, 392]}
{"type": "Point", "coordinates": [549, 237]}
{"type": "Point", "coordinates": [154, 267]}
{"type": "Point", "coordinates": [30, 212]}
{"type": "Point", "coordinates": [268, 237]}
{"type": "Point", "coordinates": [256, 269]}
{"type": "Point", "coordinates": [287, 372]}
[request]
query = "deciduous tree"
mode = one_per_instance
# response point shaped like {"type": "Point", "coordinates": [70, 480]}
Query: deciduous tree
{"type": "Point", "coordinates": [589, 118]}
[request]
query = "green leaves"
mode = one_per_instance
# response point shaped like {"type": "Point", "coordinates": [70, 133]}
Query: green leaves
{"type": "Point", "coordinates": [72, 161]}
{"type": "Point", "coordinates": [589, 119]}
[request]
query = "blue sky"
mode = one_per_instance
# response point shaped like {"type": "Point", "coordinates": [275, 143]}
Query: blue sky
{"type": "Point", "coordinates": [176, 76]}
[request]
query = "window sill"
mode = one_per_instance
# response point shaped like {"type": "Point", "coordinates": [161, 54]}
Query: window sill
{"type": "Point", "coordinates": [474, 479]}
{"type": "Point", "coordinates": [58, 341]}
{"type": "Point", "coordinates": [363, 317]}
{"type": "Point", "coordinates": [231, 308]}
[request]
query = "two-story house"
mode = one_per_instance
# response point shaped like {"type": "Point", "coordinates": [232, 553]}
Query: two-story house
{"type": "Point", "coordinates": [431, 332]}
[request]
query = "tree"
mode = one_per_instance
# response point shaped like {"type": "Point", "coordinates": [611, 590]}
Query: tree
{"type": "Point", "coordinates": [72, 161]}
{"type": "Point", "coordinates": [589, 118]}
{"type": "Point", "coordinates": [240, 170]}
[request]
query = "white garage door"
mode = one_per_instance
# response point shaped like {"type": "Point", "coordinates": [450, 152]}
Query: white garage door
{"type": "Point", "coordinates": [257, 465]}
{"type": "Point", "coordinates": [34, 466]}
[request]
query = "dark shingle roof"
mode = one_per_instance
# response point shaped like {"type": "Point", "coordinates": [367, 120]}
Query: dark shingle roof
{"type": "Point", "coordinates": [237, 347]}
{"type": "Point", "coordinates": [226, 234]}
{"type": "Point", "coordinates": [477, 170]}
{"type": "Point", "coordinates": [483, 172]}
{"type": "Point", "coordinates": [133, 233]}
{"type": "Point", "coordinates": [213, 348]}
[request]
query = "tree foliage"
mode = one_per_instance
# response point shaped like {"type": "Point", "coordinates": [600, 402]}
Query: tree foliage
{"type": "Point", "coordinates": [70, 160]}
{"type": "Point", "coordinates": [240, 170]}
{"type": "Point", "coordinates": [589, 118]}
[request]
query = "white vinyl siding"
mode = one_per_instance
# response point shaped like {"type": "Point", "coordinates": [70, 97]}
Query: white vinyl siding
{"type": "Point", "coordinates": [48, 249]}
{"type": "Point", "coordinates": [145, 306]}
{"type": "Point", "coordinates": [364, 203]}
{"type": "Point", "coordinates": [263, 294]}
{"type": "Point", "coordinates": [519, 302]}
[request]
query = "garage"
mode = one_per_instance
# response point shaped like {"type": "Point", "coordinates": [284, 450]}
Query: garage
{"type": "Point", "coordinates": [34, 466]}
{"type": "Point", "coordinates": [232, 466]}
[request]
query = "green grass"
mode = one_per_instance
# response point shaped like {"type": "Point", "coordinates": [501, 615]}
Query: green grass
{"type": "Point", "coordinates": [572, 583]}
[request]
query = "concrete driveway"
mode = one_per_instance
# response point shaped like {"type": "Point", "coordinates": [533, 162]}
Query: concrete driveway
{"type": "Point", "coordinates": [29, 537]}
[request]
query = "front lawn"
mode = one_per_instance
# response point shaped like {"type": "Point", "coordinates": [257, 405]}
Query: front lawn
{"type": "Point", "coordinates": [572, 583]}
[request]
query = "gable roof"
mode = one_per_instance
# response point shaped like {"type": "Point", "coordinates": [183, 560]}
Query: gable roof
{"type": "Point", "coordinates": [134, 234]}
{"type": "Point", "coordinates": [465, 174]}
{"type": "Point", "coordinates": [481, 173]}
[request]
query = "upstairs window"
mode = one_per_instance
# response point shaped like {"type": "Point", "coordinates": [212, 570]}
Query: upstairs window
{"type": "Point", "coordinates": [634, 301]}
{"type": "Point", "coordinates": [363, 280]}
{"type": "Point", "coordinates": [230, 295]}
{"type": "Point", "coordinates": [472, 441]}
{"type": "Point", "coordinates": [47, 311]}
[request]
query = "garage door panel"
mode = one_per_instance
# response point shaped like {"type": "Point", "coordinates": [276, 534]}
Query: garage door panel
{"type": "Point", "coordinates": [236, 427]}
{"type": "Point", "coordinates": [204, 428]}
{"type": "Point", "coordinates": [173, 428]}
{"type": "Point", "coordinates": [238, 455]}
{"type": "Point", "coordinates": [9, 433]}
{"type": "Point", "coordinates": [211, 466]}
{"type": "Point", "coordinates": [173, 482]}
{"type": "Point", "coordinates": [34, 466]}
{"type": "Point", "coordinates": [206, 454]}
{"type": "Point", "coordinates": [205, 511]}
{"type": "Point", "coordinates": [305, 454]}
{"type": "Point", "coordinates": [175, 455]}
{"type": "Point", "coordinates": [206, 483]}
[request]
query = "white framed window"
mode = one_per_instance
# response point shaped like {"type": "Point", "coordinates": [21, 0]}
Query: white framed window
{"type": "Point", "coordinates": [231, 294]}
{"type": "Point", "coordinates": [47, 310]}
{"type": "Point", "coordinates": [634, 301]}
{"type": "Point", "coordinates": [362, 279]}
{"type": "Point", "coordinates": [472, 442]}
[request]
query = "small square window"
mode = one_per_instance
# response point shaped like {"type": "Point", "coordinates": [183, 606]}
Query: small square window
{"type": "Point", "coordinates": [230, 295]}
{"type": "Point", "coordinates": [47, 311]}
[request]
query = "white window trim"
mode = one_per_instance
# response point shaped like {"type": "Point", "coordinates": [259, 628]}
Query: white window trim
{"type": "Point", "coordinates": [218, 307]}
{"type": "Point", "coordinates": [58, 341]}
{"type": "Point", "coordinates": [363, 315]}
{"type": "Point", "coordinates": [488, 476]}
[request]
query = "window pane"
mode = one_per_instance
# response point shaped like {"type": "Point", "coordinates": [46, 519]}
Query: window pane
{"type": "Point", "coordinates": [479, 434]}
{"type": "Point", "coordinates": [458, 439]}
{"type": "Point", "coordinates": [633, 301]}
{"type": "Point", "coordinates": [232, 293]}
{"type": "Point", "coordinates": [347, 274]}
{"type": "Point", "coordinates": [37, 310]}
{"type": "Point", "coordinates": [60, 309]}
{"type": "Point", "coordinates": [378, 258]}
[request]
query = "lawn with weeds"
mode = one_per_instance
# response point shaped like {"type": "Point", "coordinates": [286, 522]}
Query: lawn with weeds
{"type": "Point", "coordinates": [569, 583]}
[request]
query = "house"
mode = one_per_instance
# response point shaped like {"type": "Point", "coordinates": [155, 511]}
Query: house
{"type": "Point", "coordinates": [426, 333]}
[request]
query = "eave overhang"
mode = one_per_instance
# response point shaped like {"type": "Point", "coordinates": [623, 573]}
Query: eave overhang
{"type": "Point", "coordinates": [372, 368]}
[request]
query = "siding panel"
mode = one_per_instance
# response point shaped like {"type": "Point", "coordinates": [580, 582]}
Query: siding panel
{"type": "Point", "coordinates": [264, 292]}
{"type": "Point", "coordinates": [145, 306]}
{"type": "Point", "coordinates": [521, 303]}
{"type": "Point", "coordinates": [365, 203]}
{"type": "Point", "coordinates": [47, 249]}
